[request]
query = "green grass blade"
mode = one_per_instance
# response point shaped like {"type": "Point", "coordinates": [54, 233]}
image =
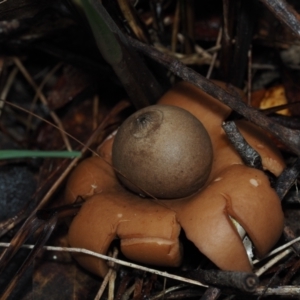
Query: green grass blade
{"type": "Point", "coordinates": [13, 154]}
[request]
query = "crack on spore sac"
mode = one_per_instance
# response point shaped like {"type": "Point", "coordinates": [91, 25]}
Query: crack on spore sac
{"type": "Point", "coordinates": [143, 120]}
{"type": "Point", "coordinates": [146, 123]}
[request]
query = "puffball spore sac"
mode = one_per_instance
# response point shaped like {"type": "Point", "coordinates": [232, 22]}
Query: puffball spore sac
{"type": "Point", "coordinates": [164, 151]}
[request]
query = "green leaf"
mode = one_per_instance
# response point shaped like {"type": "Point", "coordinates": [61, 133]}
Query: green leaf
{"type": "Point", "coordinates": [104, 32]}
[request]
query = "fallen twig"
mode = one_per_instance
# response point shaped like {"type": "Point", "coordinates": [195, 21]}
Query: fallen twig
{"type": "Point", "coordinates": [290, 137]}
{"type": "Point", "coordinates": [285, 13]}
{"type": "Point", "coordinates": [250, 157]}
{"type": "Point", "coordinates": [287, 290]}
{"type": "Point", "coordinates": [287, 178]}
{"type": "Point", "coordinates": [238, 280]}
{"type": "Point", "coordinates": [115, 260]}
{"type": "Point", "coordinates": [211, 293]}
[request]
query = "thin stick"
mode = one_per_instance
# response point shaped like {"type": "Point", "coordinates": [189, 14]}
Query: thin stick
{"type": "Point", "coordinates": [166, 291]}
{"type": "Point", "coordinates": [7, 87]}
{"type": "Point", "coordinates": [277, 250]}
{"type": "Point", "coordinates": [175, 27]}
{"type": "Point", "coordinates": [95, 111]}
{"type": "Point", "coordinates": [103, 285]}
{"type": "Point", "coordinates": [201, 56]}
{"type": "Point", "coordinates": [249, 73]}
{"type": "Point", "coordinates": [112, 279]}
{"type": "Point", "coordinates": [128, 292]}
{"type": "Point", "coordinates": [214, 57]}
{"type": "Point", "coordinates": [115, 260]}
{"type": "Point", "coordinates": [206, 53]}
{"type": "Point", "coordinates": [53, 115]}
{"type": "Point", "coordinates": [39, 90]}
{"type": "Point", "coordinates": [279, 291]}
{"type": "Point", "coordinates": [107, 277]}
{"type": "Point", "coordinates": [132, 19]}
{"type": "Point", "coordinates": [111, 285]}
{"type": "Point", "coordinates": [273, 261]}
{"type": "Point", "coordinates": [292, 271]}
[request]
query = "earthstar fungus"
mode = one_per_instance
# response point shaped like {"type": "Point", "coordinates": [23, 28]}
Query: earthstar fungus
{"type": "Point", "coordinates": [149, 228]}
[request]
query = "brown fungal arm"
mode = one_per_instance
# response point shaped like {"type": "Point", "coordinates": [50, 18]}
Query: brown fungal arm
{"type": "Point", "coordinates": [149, 232]}
{"type": "Point", "coordinates": [254, 204]}
{"type": "Point", "coordinates": [245, 195]}
{"type": "Point", "coordinates": [84, 233]}
{"type": "Point", "coordinates": [92, 176]}
{"type": "Point", "coordinates": [205, 220]}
